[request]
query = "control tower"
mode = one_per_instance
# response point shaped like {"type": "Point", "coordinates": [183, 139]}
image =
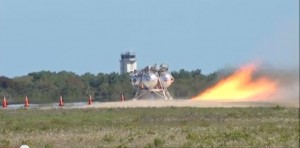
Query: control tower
{"type": "Point", "coordinates": [128, 62]}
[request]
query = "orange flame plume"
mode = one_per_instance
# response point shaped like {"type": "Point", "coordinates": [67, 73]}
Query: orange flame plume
{"type": "Point", "coordinates": [240, 87]}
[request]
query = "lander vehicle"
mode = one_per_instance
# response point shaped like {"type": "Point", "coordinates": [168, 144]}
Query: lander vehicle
{"type": "Point", "coordinates": [152, 82]}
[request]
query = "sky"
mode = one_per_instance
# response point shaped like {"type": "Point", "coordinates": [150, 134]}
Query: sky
{"type": "Point", "coordinates": [89, 35]}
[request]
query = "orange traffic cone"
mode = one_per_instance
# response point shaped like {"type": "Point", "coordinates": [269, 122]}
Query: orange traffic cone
{"type": "Point", "coordinates": [122, 98]}
{"type": "Point", "coordinates": [26, 104]}
{"type": "Point", "coordinates": [90, 101]}
{"type": "Point", "coordinates": [61, 101]}
{"type": "Point", "coordinates": [4, 103]}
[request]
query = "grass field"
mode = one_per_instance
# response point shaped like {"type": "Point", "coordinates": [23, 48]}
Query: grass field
{"type": "Point", "coordinates": [151, 127]}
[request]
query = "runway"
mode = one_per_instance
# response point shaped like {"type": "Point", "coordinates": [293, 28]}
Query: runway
{"type": "Point", "coordinates": [157, 103]}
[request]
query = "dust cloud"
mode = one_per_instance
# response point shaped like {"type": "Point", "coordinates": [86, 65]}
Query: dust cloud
{"type": "Point", "coordinates": [288, 83]}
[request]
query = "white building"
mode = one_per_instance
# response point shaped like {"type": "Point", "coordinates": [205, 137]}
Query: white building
{"type": "Point", "coordinates": [128, 62]}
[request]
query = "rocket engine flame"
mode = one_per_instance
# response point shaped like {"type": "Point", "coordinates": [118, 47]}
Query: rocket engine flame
{"type": "Point", "coordinates": [240, 86]}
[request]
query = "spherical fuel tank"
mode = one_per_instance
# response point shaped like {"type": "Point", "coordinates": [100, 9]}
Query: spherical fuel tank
{"type": "Point", "coordinates": [135, 80]}
{"type": "Point", "coordinates": [149, 80]}
{"type": "Point", "coordinates": [166, 79]}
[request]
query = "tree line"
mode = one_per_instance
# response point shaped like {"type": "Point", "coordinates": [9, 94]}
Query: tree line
{"type": "Point", "coordinates": [46, 86]}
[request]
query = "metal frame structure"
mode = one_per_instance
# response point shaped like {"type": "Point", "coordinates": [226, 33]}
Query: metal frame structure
{"type": "Point", "coordinates": [158, 91]}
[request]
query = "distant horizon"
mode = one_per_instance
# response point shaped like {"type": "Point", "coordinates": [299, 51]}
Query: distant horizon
{"type": "Point", "coordinates": [233, 68]}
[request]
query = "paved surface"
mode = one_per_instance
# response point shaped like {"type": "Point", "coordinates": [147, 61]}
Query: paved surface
{"type": "Point", "coordinates": [158, 103]}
